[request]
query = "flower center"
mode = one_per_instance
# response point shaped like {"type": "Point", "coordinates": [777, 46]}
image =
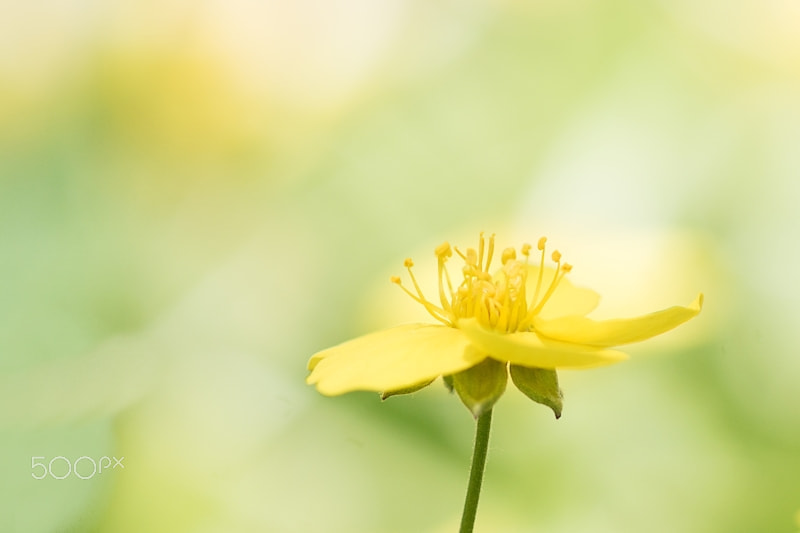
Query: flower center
{"type": "Point", "coordinates": [498, 302]}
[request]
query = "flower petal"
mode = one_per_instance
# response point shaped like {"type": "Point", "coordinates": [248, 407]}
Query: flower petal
{"type": "Point", "coordinates": [527, 349]}
{"type": "Point", "coordinates": [392, 359]}
{"type": "Point", "coordinates": [566, 300]}
{"type": "Point", "coordinates": [582, 330]}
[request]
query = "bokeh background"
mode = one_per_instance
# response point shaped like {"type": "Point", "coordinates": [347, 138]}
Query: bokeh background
{"type": "Point", "coordinates": [197, 196]}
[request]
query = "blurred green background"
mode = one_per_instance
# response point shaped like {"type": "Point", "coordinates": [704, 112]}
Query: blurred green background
{"type": "Point", "coordinates": [197, 196]}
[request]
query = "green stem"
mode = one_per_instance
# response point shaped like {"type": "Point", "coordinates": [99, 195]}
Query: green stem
{"type": "Point", "coordinates": [476, 472]}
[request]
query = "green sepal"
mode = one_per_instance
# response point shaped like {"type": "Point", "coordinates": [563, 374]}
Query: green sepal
{"type": "Point", "coordinates": [448, 383]}
{"type": "Point", "coordinates": [480, 386]}
{"type": "Point", "coordinates": [406, 390]}
{"type": "Point", "coordinates": [540, 385]}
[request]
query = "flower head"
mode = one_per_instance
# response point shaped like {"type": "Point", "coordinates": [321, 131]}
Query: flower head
{"type": "Point", "coordinates": [525, 318]}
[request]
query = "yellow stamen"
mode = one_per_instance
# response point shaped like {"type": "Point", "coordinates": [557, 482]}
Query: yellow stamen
{"type": "Point", "coordinates": [442, 255]}
{"type": "Point", "coordinates": [432, 309]}
{"type": "Point", "coordinates": [480, 252]}
{"type": "Point", "coordinates": [540, 246]}
{"type": "Point", "coordinates": [553, 284]}
{"type": "Point", "coordinates": [500, 302]}
{"type": "Point", "coordinates": [437, 312]}
{"type": "Point", "coordinates": [536, 304]}
{"type": "Point", "coordinates": [491, 253]}
{"type": "Point", "coordinates": [444, 250]}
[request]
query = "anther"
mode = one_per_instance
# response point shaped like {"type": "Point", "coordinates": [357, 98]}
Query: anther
{"type": "Point", "coordinates": [444, 250]}
{"type": "Point", "coordinates": [540, 244]}
{"type": "Point", "coordinates": [556, 256]}
{"type": "Point", "coordinates": [408, 263]}
{"type": "Point", "coordinates": [395, 280]}
{"type": "Point", "coordinates": [566, 267]}
{"type": "Point", "coordinates": [526, 249]}
{"type": "Point", "coordinates": [509, 254]}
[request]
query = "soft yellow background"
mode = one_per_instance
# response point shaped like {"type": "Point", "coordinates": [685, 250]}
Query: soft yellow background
{"type": "Point", "coordinates": [197, 196]}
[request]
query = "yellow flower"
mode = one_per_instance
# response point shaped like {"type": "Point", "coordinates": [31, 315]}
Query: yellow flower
{"type": "Point", "coordinates": [524, 316]}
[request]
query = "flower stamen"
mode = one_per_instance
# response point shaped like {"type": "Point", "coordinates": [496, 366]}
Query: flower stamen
{"type": "Point", "coordinates": [499, 303]}
{"type": "Point", "coordinates": [539, 246]}
{"type": "Point", "coordinates": [443, 252]}
{"type": "Point", "coordinates": [557, 277]}
{"type": "Point", "coordinates": [491, 253]}
{"type": "Point", "coordinates": [480, 252]}
{"type": "Point", "coordinates": [436, 312]}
